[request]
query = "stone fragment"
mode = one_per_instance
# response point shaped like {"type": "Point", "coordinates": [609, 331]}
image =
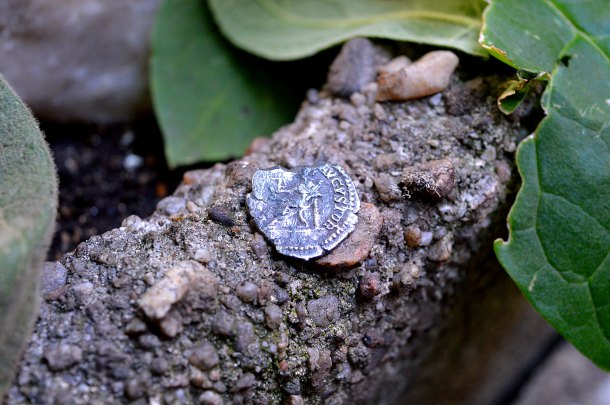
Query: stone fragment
{"type": "Point", "coordinates": [134, 388]}
{"type": "Point", "coordinates": [359, 243]}
{"type": "Point", "coordinates": [63, 356]}
{"type": "Point", "coordinates": [412, 236]}
{"type": "Point", "coordinates": [223, 324]}
{"type": "Point", "coordinates": [353, 68]}
{"type": "Point", "coordinates": [149, 341]}
{"type": "Point", "coordinates": [265, 292]}
{"type": "Point", "coordinates": [171, 324]}
{"type": "Point", "coordinates": [210, 398]}
{"type": "Point", "coordinates": [415, 237]}
{"type": "Point", "coordinates": [204, 255]}
{"type": "Point", "coordinates": [159, 366]}
{"type": "Point", "coordinates": [387, 188]}
{"type": "Point", "coordinates": [158, 299]}
{"type": "Point", "coordinates": [204, 356]}
{"type": "Point", "coordinates": [53, 277]}
{"type": "Point", "coordinates": [433, 180]}
{"type": "Point", "coordinates": [428, 75]}
{"type": "Point", "coordinates": [222, 215]}
{"type": "Point", "coordinates": [369, 286]}
{"type": "Point", "coordinates": [359, 355]}
{"type": "Point", "coordinates": [441, 250]}
{"type": "Point", "coordinates": [245, 381]}
{"type": "Point", "coordinates": [172, 205]}
{"type": "Point", "coordinates": [259, 245]}
{"type": "Point", "coordinates": [320, 367]}
{"type": "Point", "coordinates": [245, 336]}
{"type": "Point", "coordinates": [295, 400]}
{"type": "Point", "coordinates": [273, 316]}
{"type": "Point", "coordinates": [135, 327]}
{"type": "Point", "coordinates": [324, 311]}
{"type": "Point", "coordinates": [247, 291]}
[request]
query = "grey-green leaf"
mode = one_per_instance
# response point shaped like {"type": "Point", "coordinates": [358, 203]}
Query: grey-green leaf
{"type": "Point", "coordinates": [211, 99]}
{"type": "Point", "coordinates": [292, 29]}
{"type": "Point", "coordinates": [28, 202]}
{"type": "Point", "coordinates": [559, 247]}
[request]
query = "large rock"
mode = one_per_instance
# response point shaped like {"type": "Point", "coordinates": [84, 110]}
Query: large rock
{"type": "Point", "coordinates": [424, 322]}
{"type": "Point", "coordinates": [77, 60]}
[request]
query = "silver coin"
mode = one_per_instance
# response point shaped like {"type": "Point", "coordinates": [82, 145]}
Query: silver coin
{"type": "Point", "coordinates": [304, 212]}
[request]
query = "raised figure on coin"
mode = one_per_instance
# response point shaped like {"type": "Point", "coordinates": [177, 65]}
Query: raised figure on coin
{"type": "Point", "coordinates": [304, 212]}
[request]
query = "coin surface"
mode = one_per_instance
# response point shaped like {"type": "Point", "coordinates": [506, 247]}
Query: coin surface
{"type": "Point", "coordinates": [304, 212]}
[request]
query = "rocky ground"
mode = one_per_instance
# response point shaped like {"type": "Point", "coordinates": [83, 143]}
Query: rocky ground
{"type": "Point", "coordinates": [106, 173]}
{"type": "Point", "coordinates": [193, 305]}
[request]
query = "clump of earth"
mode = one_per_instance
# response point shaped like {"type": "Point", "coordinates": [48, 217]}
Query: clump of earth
{"type": "Point", "coordinates": [193, 304]}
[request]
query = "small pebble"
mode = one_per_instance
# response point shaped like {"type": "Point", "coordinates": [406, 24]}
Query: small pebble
{"type": "Point", "coordinates": [221, 215]}
{"type": "Point", "coordinates": [203, 255]}
{"type": "Point", "coordinates": [433, 180]}
{"type": "Point", "coordinates": [265, 292]}
{"type": "Point", "coordinates": [53, 277]}
{"type": "Point", "coordinates": [204, 356]}
{"type": "Point", "coordinates": [134, 388]}
{"type": "Point", "coordinates": [441, 250]}
{"type": "Point", "coordinates": [245, 381]}
{"type": "Point", "coordinates": [172, 205]}
{"type": "Point", "coordinates": [159, 366]}
{"type": "Point", "coordinates": [273, 316]}
{"type": "Point", "coordinates": [171, 324]}
{"type": "Point", "coordinates": [313, 97]}
{"type": "Point", "coordinates": [149, 278]}
{"type": "Point", "coordinates": [158, 299]}
{"type": "Point", "coordinates": [135, 327]}
{"type": "Point", "coordinates": [413, 236]}
{"type": "Point", "coordinates": [245, 336]}
{"type": "Point", "coordinates": [387, 188]}
{"type": "Point", "coordinates": [191, 207]}
{"type": "Point", "coordinates": [63, 356]}
{"type": "Point", "coordinates": [324, 311]}
{"type": "Point", "coordinates": [379, 112]}
{"type": "Point", "coordinates": [369, 286]}
{"type": "Point", "coordinates": [247, 291]}
{"type": "Point", "coordinates": [295, 400]}
{"type": "Point", "coordinates": [503, 171]}
{"type": "Point", "coordinates": [149, 341]}
{"type": "Point", "coordinates": [223, 324]}
{"type": "Point", "coordinates": [428, 75]}
{"type": "Point", "coordinates": [353, 68]}
{"type": "Point", "coordinates": [210, 398]}
{"type": "Point", "coordinates": [259, 245]}
{"type": "Point", "coordinates": [357, 99]}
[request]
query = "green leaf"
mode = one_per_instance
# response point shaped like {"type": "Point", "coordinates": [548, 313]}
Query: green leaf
{"type": "Point", "coordinates": [559, 246]}
{"type": "Point", "coordinates": [28, 202]}
{"type": "Point", "coordinates": [513, 96]}
{"type": "Point", "coordinates": [292, 29]}
{"type": "Point", "coordinates": [210, 99]}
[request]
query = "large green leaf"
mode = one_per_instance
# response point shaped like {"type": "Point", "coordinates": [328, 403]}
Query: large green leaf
{"type": "Point", "coordinates": [211, 99]}
{"type": "Point", "coordinates": [292, 29]}
{"type": "Point", "coordinates": [558, 251]}
{"type": "Point", "coordinates": [28, 201]}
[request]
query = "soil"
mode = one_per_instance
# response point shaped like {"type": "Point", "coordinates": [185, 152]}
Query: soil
{"type": "Point", "coordinates": [106, 173]}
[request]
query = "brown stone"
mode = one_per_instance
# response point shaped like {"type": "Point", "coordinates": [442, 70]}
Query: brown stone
{"type": "Point", "coordinates": [358, 244]}
{"type": "Point", "coordinates": [433, 180]}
